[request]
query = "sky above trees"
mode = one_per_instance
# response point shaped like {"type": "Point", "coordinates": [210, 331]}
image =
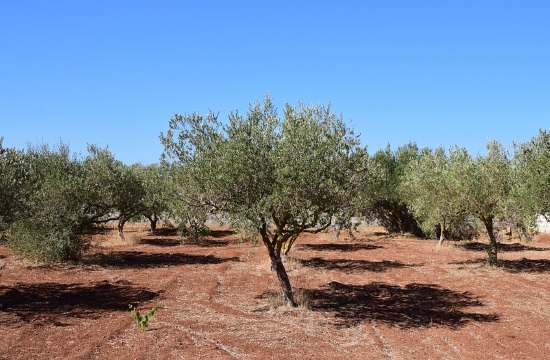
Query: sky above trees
{"type": "Point", "coordinates": [114, 72]}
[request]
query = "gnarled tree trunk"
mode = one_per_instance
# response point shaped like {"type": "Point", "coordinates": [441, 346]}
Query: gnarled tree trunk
{"type": "Point", "coordinates": [442, 235]}
{"type": "Point", "coordinates": [277, 265]}
{"type": "Point", "coordinates": [492, 248]}
{"type": "Point", "coordinates": [121, 221]}
{"type": "Point", "coordinates": [153, 220]}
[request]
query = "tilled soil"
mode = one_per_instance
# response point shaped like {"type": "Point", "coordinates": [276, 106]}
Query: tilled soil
{"type": "Point", "coordinates": [375, 296]}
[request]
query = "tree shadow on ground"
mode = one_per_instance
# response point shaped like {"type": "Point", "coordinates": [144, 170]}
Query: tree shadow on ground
{"type": "Point", "coordinates": [211, 243]}
{"type": "Point", "coordinates": [350, 266]}
{"type": "Point", "coordinates": [166, 232]}
{"type": "Point", "coordinates": [49, 303]}
{"type": "Point", "coordinates": [524, 265]}
{"type": "Point", "coordinates": [515, 247]}
{"type": "Point", "coordinates": [533, 266]}
{"type": "Point", "coordinates": [340, 247]}
{"type": "Point", "coordinates": [176, 242]}
{"type": "Point", "coordinates": [139, 260]}
{"type": "Point", "coordinates": [479, 262]}
{"type": "Point", "coordinates": [221, 233]}
{"type": "Point", "coordinates": [160, 242]}
{"type": "Point", "coordinates": [409, 306]}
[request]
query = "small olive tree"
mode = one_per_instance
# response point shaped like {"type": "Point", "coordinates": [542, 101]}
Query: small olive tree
{"type": "Point", "coordinates": [187, 206]}
{"type": "Point", "coordinates": [431, 186]}
{"type": "Point", "coordinates": [381, 199]}
{"type": "Point", "coordinates": [279, 176]}
{"type": "Point", "coordinates": [53, 216]}
{"type": "Point", "coordinates": [155, 181]}
{"type": "Point", "coordinates": [14, 175]}
{"type": "Point", "coordinates": [114, 191]}
{"type": "Point", "coordinates": [530, 194]}
{"type": "Point", "coordinates": [485, 187]}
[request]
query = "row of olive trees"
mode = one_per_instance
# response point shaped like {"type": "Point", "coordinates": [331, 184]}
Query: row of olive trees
{"type": "Point", "coordinates": [278, 175]}
{"type": "Point", "coordinates": [49, 198]}
{"type": "Point", "coordinates": [306, 170]}
{"type": "Point", "coordinates": [447, 189]}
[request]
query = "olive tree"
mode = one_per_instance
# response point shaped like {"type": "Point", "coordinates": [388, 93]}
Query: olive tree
{"type": "Point", "coordinates": [279, 176]}
{"type": "Point", "coordinates": [530, 194]}
{"type": "Point", "coordinates": [187, 205]}
{"type": "Point", "coordinates": [113, 191]}
{"type": "Point", "coordinates": [154, 180]}
{"type": "Point", "coordinates": [382, 200]}
{"type": "Point", "coordinates": [431, 186]}
{"type": "Point", "coordinates": [49, 224]}
{"type": "Point", "coordinates": [14, 175]}
{"type": "Point", "coordinates": [485, 187]}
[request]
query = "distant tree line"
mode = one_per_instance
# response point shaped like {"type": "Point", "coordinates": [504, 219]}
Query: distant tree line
{"type": "Point", "coordinates": [277, 174]}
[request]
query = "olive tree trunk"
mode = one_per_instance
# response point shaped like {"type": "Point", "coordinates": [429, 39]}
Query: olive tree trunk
{"type": "Point", "coordinates": [153, 220]}
{"type": "Point", "coordinates": [492, 248]}
{"type": "Point", "coordinates": [442, 235]}
{"type": "Point", "coordinates": [277, 265]}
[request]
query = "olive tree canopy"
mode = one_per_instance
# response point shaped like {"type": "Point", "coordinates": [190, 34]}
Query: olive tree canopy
{"type": "Point", "coordinates": [280, 176]}
{"type": "Point", "coordinates": [530, 195]}
{"type": "Point", "coordinates": [432, 187]}
{"type": "Point", "coordinates": [485, 188]}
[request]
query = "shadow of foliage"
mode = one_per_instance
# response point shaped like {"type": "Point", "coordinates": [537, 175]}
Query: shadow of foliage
{"type": "Point", "coordinates": [340, 247]}
{"type": "Point", "coordinates": [166, 232]}
{"type": "Point", "coordinates": [515, 247]}
{"type": "Point", "coordinates": [220, 233]}
{"type": "Point", "coordinates": [160, 242]}
{"type": "Point", "coordinates": [51, 302]}
{"type": "Point", "coordinates": [139, 260]}
{"type": "Point", "coordinates": [410, 306]}
{"type": "Point", "coordinates": [349, 266]}
{"type": "Point", "coordinates": [479, 262]}
{"type": "Point", "coordinates": [211, 243]}
{"type": "Point", "coordinates": [533, 266]}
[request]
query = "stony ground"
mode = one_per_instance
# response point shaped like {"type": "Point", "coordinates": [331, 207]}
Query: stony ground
{"type": "Point", "coordinates": [376, 296]}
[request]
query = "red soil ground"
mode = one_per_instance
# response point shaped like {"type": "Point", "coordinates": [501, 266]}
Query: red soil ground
{"type": "Point", "coordinates": [375, 296]}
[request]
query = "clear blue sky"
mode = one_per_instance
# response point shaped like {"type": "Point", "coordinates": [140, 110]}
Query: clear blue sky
{"type": "Point", "coordinates": [113, 72]}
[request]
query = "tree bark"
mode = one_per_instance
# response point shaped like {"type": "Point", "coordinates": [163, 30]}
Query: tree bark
{"type": "Point", "coordinates": [442, 235]}
{"type": "Point", "coordinates": [277, 265]}
{"type": "Point", "coordinates": [120, 227]}
{"type": "Point", "coordinates": [153, 221]}
{"type": "Point", "coordinates": [492, 248]}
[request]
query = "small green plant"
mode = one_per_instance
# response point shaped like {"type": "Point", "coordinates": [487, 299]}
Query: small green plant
{"type": "Point", "coordinates": [143, 321]}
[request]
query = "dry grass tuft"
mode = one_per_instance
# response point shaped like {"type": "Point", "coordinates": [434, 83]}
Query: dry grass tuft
{"type": "Point", "coordinates": [292, 264]}
{"type": "Point", "coordinates": [301, 298]}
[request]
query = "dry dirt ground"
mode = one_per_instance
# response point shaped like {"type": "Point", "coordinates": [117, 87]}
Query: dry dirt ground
{"type": "Point", "coordinates": [373, 297]}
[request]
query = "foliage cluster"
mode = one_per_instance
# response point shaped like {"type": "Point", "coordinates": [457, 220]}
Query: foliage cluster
{"type": "Point", "coordinates": [278, 175]}
{"type": "Point", "coordinates": [50, 198]}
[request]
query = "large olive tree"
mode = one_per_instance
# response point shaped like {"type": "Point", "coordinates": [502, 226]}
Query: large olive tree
{"type": "Point", "coordinates": [280, 176]}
